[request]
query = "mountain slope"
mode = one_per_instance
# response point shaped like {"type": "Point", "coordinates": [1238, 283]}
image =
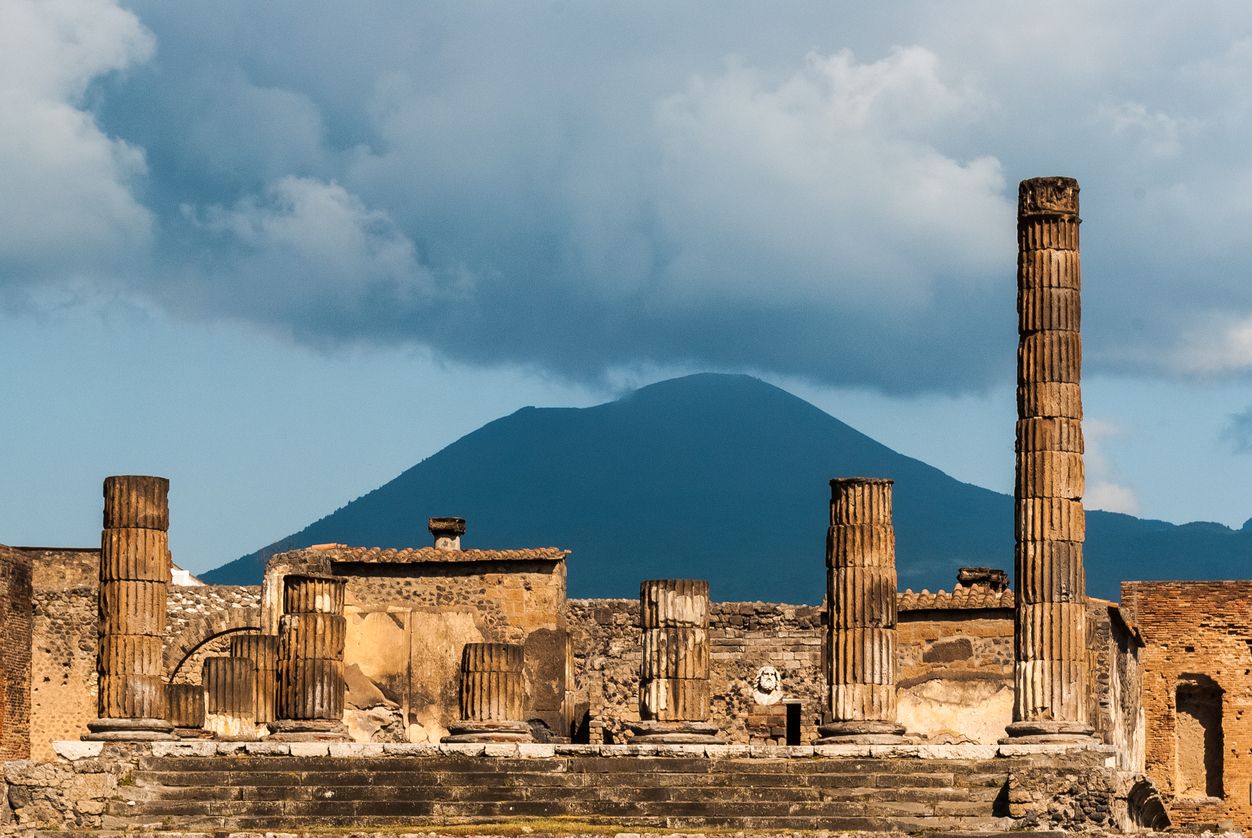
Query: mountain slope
{"type": "Point", "coordinates": [723, 477]}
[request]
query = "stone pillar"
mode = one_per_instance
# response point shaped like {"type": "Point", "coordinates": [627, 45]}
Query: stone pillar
{"type": "Point", "coordinates": [184, 708]}
{"type": "Point", "coordinates": [134, 575]}
{"type": "Point", "coordinates": [447, 532]}
{"type": "Point", "coordinates": [674, 671]}
{"type": "Point", "coordinates": [1050, 616]}
{"type": "Point", "coordinates": [492, 695]}
{"type": "Point", "coordinates": [310, 659]}
{"type": "Point", "coordinates": [229, 689]}
{"type": "Point", "coordinates": [262, 651]}
{"type": "Point", "coordinates": [861, 613]}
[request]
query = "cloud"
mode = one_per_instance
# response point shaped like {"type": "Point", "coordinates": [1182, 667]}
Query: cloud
{"type": "Point", "coordinates": [1239, 432]}
{"type": "Point", "coordinates": [1219, 343]}
{"type": "Point", "coordinates": [1103, 489]}
{"type": "Point", "coordinates": [588, 189]}
{"type": "Point", "coordinates": [67, 189]}
{"type": "Point", "coordinates": [306, 256]}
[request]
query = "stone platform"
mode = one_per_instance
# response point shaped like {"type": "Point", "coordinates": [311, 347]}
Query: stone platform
{"type": "Point", "coordinates": [290, 787]}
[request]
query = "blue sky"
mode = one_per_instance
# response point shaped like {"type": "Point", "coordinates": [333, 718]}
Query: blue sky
{"type": "Point", "coordinates": [279, 253]}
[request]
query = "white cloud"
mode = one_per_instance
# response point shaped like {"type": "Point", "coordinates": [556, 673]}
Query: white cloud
{"type": "Point", "coordinates": [1103, 489]}
{"type": "Point", "coordinates": [65, 187]}
{"type": "Point", "coordinates": [309, 255]}
{"type": "Point", "coordinates": [1157, 133]}
{"type": "Point", "coordinates": [1217, 344]}
{"type": "Point", "coordinates": [826, 182]}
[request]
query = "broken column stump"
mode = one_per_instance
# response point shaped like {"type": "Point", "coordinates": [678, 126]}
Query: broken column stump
{"type": "Point", "coordinates": [134, 575]}
{"type": "Point", "coordinates": [1050, 615]}
{"type": "Point", "coordinates": [311, 636]}
{"type": "Point", "coordinates": [492, 695]}
{"type": "Point", "coordinates": [262, 651]}
{"type": "Point", "coordinates": [674, 671]}
{"type": "Point", "coordinates": [230, 693]}
{"type": "Point", "coordinates": [861, 613]}
{"type": "Point", "coordinates": [184, 709]}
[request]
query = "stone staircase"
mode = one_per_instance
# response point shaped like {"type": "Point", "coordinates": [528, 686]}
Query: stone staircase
{"type": "Point", "coordinates": [246, 792]}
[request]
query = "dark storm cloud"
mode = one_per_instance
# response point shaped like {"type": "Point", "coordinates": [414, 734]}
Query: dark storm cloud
{"type": "Point", "coordinates": [582, 188]}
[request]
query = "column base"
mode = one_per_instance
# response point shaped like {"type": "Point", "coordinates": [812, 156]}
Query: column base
{"type": "Point", "coordinates": [492, 731]}
{"type": "Point", "coordinates": [861, 733]}
{"type": "Point", "coordinates": [675, 733]}
{"type": "Point", "coordinates": [129, 730]}
{"type": "Point", "coordinates": [308, 730]}
{"type": "Point", "coordinates": [192, 733]}
{"type": "Point", "coordinates": [1048, 732]}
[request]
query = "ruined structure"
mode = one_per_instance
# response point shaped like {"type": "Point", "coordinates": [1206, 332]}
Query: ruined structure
{"type": "Point", "coordinates": [410, 612]}
{"type": "Point", "coordinates": [670, 712]}
{"type": "Point", "coordinates": [1051, 615]}
{"type": "Point", "coordinates": [861, 613]}
{"type": "Point", "coordinates": [492, 695]}
{"type": "Point", "coordinates": [310, 659]}
{"type": "Point", "coordinates": [674, 670]}
{"type": "Point", "coordinates": [134, 572]}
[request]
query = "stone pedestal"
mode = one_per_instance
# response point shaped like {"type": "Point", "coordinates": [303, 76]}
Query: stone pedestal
{"type": "Point", "coordinates": [1050, 616]}
{"type": "Point", "coordinates": [134, 575]}
{"type": "Point", "coordinates": [184, 708]}
{"type": "Point", "coordinates": [492, 695]}
{"type": "Point", "coordinates": [230, 689]}
{"type": "Point", "coordinates": [310, 659]}
{"type": "Point", "coordinates": [674, 670]}
{"type": "Point", "coordinates": [861, 614]}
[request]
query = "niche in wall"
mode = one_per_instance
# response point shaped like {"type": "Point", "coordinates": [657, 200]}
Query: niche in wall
{"type": "Point", "coordinates": [1198, 737]}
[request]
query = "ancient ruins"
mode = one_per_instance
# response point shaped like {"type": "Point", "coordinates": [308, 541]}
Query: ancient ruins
{"type": "Point", "coordinates": [365, 688]}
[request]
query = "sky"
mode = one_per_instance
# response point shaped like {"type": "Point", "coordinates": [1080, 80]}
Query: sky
{"type": "Point", "coordinates": [280, 252]}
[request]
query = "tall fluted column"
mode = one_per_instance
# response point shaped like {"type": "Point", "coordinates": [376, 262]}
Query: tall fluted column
{"type": "Point", "coordinates": [1050, 617]}
{"type": "Point", "coordinates": [492, 695]}
{"type": "Point", "coordinates": [674, 670]}
{"type": "Point", "coordinates": [311, 636]}
{"type": "Point", "coordinates": [230, 693]}
{"type": "Point", "coordinates": [861, 613]}
{"type": "Point", "coordinates": [262, 651]}
{"type": "Point", "coordinates": [134, 575]}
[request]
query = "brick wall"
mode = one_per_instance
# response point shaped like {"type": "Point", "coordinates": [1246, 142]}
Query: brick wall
{"type": "Point", "coordinates": [15, 648]}
{"type": "Point", "coordinates": [1197, 635]}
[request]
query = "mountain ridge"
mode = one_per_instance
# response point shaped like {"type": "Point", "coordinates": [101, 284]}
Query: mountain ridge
{"type": "Point", "coordinates": [721, 477]}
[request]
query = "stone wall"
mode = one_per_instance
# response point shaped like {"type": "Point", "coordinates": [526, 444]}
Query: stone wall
{"type": "Point", "coordinates": [202, 619]}
{"type": "Point", "coordinates": [743, 637]}
{"type": "Point", "coordinates": [64, 586]}
{"type": "Point", "coordinates": [955, 679]}
{"type": "Point", "coordinates": [1197, 695]}
{"type": "Point", "coordinates": [955, 668]}
{"type": "Point", "coordinates": [15, 651]}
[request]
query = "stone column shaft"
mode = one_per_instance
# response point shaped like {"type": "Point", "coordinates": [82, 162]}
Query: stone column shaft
{"type": "Point", "coordinates": [134, 579]}
{"type": "Point", "coordinates": [184, 707]}
{"type": "Point", "coordinates": [309, 665]}
{"type": "Point", "coordinates": [230, 692]}
{"type": "Point", "coordinates": [492, 695]}
{"type": "Point", "coordinates": [1050, 617]}
{"type": "Point", "coordinates": [262, 651]}
{"type": "Point", "coordinates": [674, 689]}
{"type": "Point", "coordinates": [861, 613]}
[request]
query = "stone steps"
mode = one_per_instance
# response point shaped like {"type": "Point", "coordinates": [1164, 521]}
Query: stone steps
{"type": "Point", "coordinates": [266, 792]}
